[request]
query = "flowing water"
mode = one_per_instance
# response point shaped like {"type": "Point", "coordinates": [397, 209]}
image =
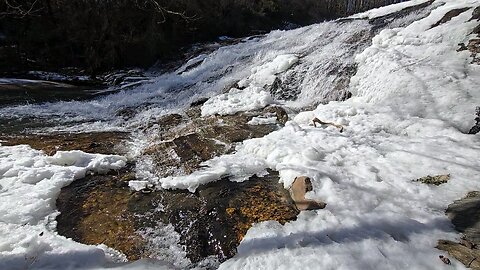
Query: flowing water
{"type": "Point", "coordinates": [326, 54]}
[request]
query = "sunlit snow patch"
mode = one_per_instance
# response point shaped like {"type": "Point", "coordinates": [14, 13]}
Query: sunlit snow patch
{"type": "Point", "coordinates": [253, 93]}
{"type": "Point", "coordinates": [30, 183]}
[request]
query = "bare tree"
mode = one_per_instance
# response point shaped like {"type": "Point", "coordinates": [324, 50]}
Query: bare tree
{"type": "Point", "coordinates": [18, 9]}
{"type": "Point", "coordinates": [163, 10]}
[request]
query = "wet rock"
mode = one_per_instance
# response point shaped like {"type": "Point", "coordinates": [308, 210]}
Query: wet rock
{"type": "Point", "coordinates": [37, 85]}
{"type": "Point", "coordinates": [300, 186]}
{"type": "Point", "coordinates": [382, 21]}
{"type": "Point", "coordinates": [182, 144]}
{"type": "Point", "coordinates": [469, 257]}
{"type": "Point", "coordinates": [450, 15]}
{"type": "Point", "coordinates": [282, 116]}
{"type": "Point", "coordinates": [93, 142]}
{"type": "Point", "coordinates": [124, 78]}
{"type": "Point", "coordinates": [211, 222]}
{"type": "Point", "coordinates": [465, 216]}
{"type": "Point", "coordinates": [476, 128]}
{"type": "Point", "coordinates": [94, 210]}
{"type": "Point", "coordinates": [434, 180]}
{"type": "Point", "coordinates": [198, 102]}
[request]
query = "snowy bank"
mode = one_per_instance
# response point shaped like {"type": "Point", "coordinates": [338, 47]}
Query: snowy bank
{"type": "Point", "coordinates": [414, 98]}
{"type": "Point", "coordinates": [30, 182]}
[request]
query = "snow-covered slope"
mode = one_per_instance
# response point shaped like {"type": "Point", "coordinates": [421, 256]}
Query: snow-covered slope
{"type": "Point", "coordinates": [317, 52]}
{"type": "Point", "coordinates": [414, 98]}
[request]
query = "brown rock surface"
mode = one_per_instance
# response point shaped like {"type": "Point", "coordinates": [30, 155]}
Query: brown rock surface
{"type": "Point", "coordinates": [211, 221]}
{"type": "Point", "coordinates": [300, 186]}
{"type": "Point", "coordinates": [465, 216]}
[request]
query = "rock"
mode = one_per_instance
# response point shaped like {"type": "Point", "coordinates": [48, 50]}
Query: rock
{"type": "Point", "coordinates": [124, 78]}
{"type": "Point", "coordinates": [300, 186]}
{"type": "Point", "coordinates": [450, 15]}
{"type": "Point", "coordinates": [434, 180]}
{"type": "Point", "coordinates": [211, 222]}
{"type": "Point", "coordinates": [465, 216]}
{"type": "Point", "coordinates": [183, 144]}
{"type": "Point", "coordinates": [94, 210]}
{"type": "Point", "coordinates": [198, 102]}
{"type": "Point", "coordinates": [282, 116]}
{"type": "Point", "coordinates": [469, 257]}
{"type": "Point", "coordinates": [476, 128]}
{"type": "Point", "coordinates": [468, 244]}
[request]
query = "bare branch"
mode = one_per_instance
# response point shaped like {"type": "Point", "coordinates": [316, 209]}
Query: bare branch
{"type": "Point", "coordinates": [163, 10]}
{"type": "Point", "coordinates": [19, 10]}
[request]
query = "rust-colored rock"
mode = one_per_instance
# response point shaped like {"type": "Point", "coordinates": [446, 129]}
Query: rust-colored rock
{"type": "Point", "coordinates": [211, 221]}
{"type": "Point", "coordinates": [94, 210]}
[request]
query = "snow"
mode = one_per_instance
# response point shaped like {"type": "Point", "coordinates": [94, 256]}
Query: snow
{"type": "Point", "coordinates": [263, 120]}
{"type": "Point", "coordinates": [237, 100]}
{"type": "Point", "coordinates": [265, 74]}
{"type": "Point", "coordinates": [382, 11]}
{"type": "Point", "coordinates": [254, 93]}
{"type": "Point", "coordinates": [413, 101]}
{"type": "Point", "coordinates": [29, 184]}
{"type": "Point", "coordinates": [414, 97]}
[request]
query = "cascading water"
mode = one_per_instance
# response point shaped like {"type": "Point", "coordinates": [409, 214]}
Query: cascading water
{"type": "Point", "coordinates": [307, 66]}
{"type": "Point", "coordinates": [326, 53]}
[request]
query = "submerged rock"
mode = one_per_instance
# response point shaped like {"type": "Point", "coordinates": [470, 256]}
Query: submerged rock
{"type": "Point", "coordinates": [210, 222]}
{"type": "Point", "coordinates": [94, 210]}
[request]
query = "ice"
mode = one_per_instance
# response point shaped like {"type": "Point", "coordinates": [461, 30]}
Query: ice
{"type": "Point", "coordinates": [414, 98]}
{"type": "Point", "coordinates": [236, 100]}
{"type": "Point", "coordinates": [263, 120]}
{"type": "Point", "coordinates": [382, 11]}
{"type": "Point", "coordinates": [265, 74]}
{"type": "Point", "coordinates": [137, 185]}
